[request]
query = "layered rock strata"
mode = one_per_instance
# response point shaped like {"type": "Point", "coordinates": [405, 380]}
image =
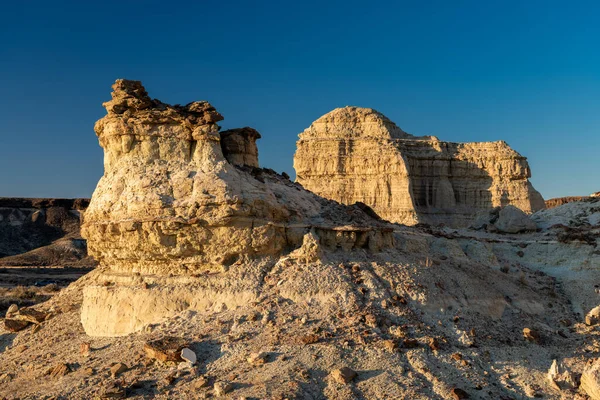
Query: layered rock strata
{"type": "Point", "coordinates": [178, 199]}
{"type": "Point", "coordinates": [357, 154]}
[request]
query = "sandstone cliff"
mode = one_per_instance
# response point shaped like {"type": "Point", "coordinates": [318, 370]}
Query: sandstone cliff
{"type": "Point", "coordinates": [356, 154]}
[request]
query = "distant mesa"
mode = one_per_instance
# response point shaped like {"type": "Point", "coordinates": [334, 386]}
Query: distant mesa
{"type": "Point", "coordinates": [559, 201]}
{"type": "Point", "coordinates": [355, 154]}
{"type": "Point", "coordinates": [42, 232]}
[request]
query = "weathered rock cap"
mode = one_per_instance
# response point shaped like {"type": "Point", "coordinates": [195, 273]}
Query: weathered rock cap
{"type": "Point", "coordinates": [132, 112]}
{"type": "Point", "coordinates": [351, 121]}
{"type": "Point", "coordinates": [239, 146]}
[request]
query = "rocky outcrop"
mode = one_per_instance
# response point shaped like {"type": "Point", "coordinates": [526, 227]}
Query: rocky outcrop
{"type": "Point", "coordinates": [356, 154]}
{"type": "Point", "coordinates": [590, 380]}
{"type": "Point", "coordinates": [178, 199]}
{"type": "Point", "coordinates": [239, 146]}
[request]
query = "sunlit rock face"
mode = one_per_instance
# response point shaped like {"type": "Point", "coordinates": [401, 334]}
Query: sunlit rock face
{"type": "Point", "coordinates": [356, 154]}
{"type": "Point", "coordinates": [181, 200]}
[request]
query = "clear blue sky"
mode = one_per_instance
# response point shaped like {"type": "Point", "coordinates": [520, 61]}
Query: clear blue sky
{"type": "Point", "coordinates": [527, 72]}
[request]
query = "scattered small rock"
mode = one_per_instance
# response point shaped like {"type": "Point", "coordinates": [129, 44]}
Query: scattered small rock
{"type": "Point", "coordinates": [30, 315]}
{"type": "Point", "coordinates": [593, 317]}
{"type": "Point", "coordinates": [201, 381]}
{"type": "Point", "coordinates": [118, 369]}
{"type": "Point", "coordinates": [309, 339]}
{"type": "Point", "coordinates": [257, 358]}
{"type": "Point", "coordinates": [13, 325]}
{"type": "Point", "coordinates": [433, 344]}
{"type": "Point", "coordinates": [113, 391]}
{"type": "Point", "coordinates": [410, 343]}
{"type": "Point", "coordinates": [188, 355]}
{"type": "Point", "coordinates": [531, 335]}
{"type": "Point", "coordinates": [84, 349]}
{"type": "Point", "coordinates": [390, 345]}
{"type": "Point", "coordinates": [13, 309]}
{"type": "Point", "coordinates": [58, 370]}
{"type": "Point", "coordinates": [397, 331]}
{"type": "Point", "coordinates": [343, 375]}
{"type": "Point", "coordinates": [459, 394]}
{"type": "Point", "coordinates": [371, 320]}
{"type": "Point", "coordinates": [168, 380]}
{"type": "Point", "coordinates": [222, 388]}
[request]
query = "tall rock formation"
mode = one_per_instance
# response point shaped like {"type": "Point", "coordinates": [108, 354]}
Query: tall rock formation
{"type": "Point", "coordinates": [355, 154]}
{"type": "Point", "coordinates": [179, 201]}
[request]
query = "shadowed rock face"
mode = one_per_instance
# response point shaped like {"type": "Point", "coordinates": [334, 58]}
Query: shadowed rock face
{"type": "Point", "coordinates": [239, 146]}
{"type": "Point", "coordinates": [38, 231]}
{"type": "Point", "coordinates": [356, 154]}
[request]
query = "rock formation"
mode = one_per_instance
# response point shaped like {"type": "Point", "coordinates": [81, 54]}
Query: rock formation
{"type": "Point", "coordinates": [356, 154]}
{"type": "Point", "coordinates": [179, 199]}
{"type": "Point", "coordinates": [207, 259]}
{"type": "Point", "coordinates": [239, 146]}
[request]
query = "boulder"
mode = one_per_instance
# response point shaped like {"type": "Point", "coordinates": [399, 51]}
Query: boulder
{"type": "Point", "coordinates": [165, 349]}
{"type": "Point", "coordinates": [513, 220]}
{"type": "Point", "coordinates": [343, 375]}
{"type": "Point", "coordinates": [593, 317]}
{"type": "Point", "coordinates": [561, 377]}
{"type": "Point", "coordinates": [590, 380]}
{"type": "Point", "coordinates": [485, 218]}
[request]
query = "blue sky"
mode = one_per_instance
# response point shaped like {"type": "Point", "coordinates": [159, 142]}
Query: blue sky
{"type": "Point", "coordinates": [527, 72]}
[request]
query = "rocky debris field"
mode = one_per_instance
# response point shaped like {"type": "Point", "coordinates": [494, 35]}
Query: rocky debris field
{"type": "Point", "coordinates": [27, 286]}
{"type": "Point", "coordinates": [420, 321]}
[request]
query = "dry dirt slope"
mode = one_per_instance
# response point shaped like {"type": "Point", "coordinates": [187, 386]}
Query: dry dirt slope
{"type": "Point", "coordinates": [440, 311]}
